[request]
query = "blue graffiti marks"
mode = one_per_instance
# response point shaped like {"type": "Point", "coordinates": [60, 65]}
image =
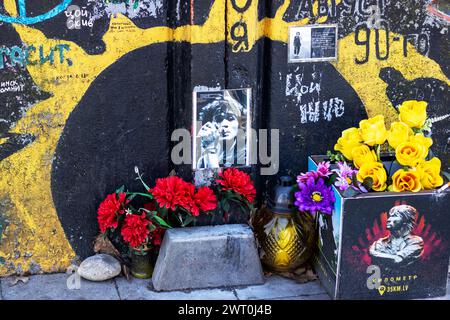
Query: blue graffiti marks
{"type": "Point", "coordinates": [31, 55]}
{"type": "Point", "coordinates": [22, 18]}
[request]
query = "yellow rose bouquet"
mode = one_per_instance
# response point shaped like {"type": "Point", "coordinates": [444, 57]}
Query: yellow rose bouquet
{"type": "Point", "coordinates": [407, 141]}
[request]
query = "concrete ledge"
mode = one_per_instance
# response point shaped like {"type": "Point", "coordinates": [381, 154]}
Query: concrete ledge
{"type": "Point", "coordinates": [138, 289]}
{"type": "Point", "coordinates": [54, 287]}
{"type": "Point", "coordinates": [277, 287]}
{"type": "Point", "coordinates": [205, 257]}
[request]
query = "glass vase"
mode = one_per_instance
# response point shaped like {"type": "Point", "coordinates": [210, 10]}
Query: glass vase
{"type": "Point", "coordinates": [141, 264]}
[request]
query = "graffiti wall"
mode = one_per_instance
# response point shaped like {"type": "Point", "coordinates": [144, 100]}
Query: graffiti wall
{"type": "Point", "coordinates": [89, 89]}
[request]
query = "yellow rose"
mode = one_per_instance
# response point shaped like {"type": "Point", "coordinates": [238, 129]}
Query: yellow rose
{"type": "Point", "coordinates": [430, 174]}
{"type": "Point", "coordinates": [399, 132]}
{"type": "Point", "coordinates": [410, 153]}
{"type": "Point", "coordinates": [406, 181]}
{"type": "Point", "coordinates": [413, 113]}
{"type": "Point", "coordinates": [373, 131]}
{"type": "Point", "coordinates": [363, 154]}
{"type": "Point", "coordinates": [376, 171]}
{"type": "Point", "coordinates": [350, 139]}
{"type": "Point", "coordinates": [420, 138]}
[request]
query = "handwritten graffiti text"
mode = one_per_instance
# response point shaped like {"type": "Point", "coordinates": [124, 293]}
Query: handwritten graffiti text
{"type": "Point", "coordinates": [30, 55]}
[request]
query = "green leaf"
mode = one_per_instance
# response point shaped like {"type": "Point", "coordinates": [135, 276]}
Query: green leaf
{"type": "Point", "coordinates": [350, 192]}
{"type": "Point", "coordinates": [368, 183]}
{"type": "Point", "coordinates": [2, 261]}
{"type": "Point", "coordinates": [147, 195]}
{"type": "Point", "coordinates": [226, 206]}
{"type": "Point", "coordinates": [161, 222]}
{"type": "Point", "coordinates": [446, 175]}
{"type": "Point", "coordinates": [121, 189]}
{"type": "Point", "coordinates": [335, 157]}
{"type": "Point", "coordinates": [430, 154]}
{"type": "Point", "coordinates": [188, 221]}
{"type": "Point", "coordinates": [354, 179]}
{"type": "Point", "coordinates": [131, 197]}
{"type": "Point", "coordinates": [136, 169]}
{"type": "Point", "coordinates": [331, 179]}
{"type": "Point", "coordinates": [163, 212]}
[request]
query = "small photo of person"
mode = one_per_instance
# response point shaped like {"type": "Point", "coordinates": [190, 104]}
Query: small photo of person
{"type": "Point", "coordinates": [299, 43]}
{"type": "Point", "coordinates": [309, 43]}
{"type": "Point", "coordinates": [221, 126]}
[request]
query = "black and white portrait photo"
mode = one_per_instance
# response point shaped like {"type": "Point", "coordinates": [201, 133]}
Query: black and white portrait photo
{"type": "Point", "coordinates": [312, 43]}
{"type": "Point", "coordinates": [221, 126]}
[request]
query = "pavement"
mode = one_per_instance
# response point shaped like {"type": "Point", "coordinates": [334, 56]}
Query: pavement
{"type": "Point", "coordinates": [55, 287]}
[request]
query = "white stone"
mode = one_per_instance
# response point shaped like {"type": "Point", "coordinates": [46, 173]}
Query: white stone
{"type": "Point", "coordinates": [100, 267]}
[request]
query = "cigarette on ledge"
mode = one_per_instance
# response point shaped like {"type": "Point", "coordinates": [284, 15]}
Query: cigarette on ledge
{"type": "Point", "coordinates": [445, 186]}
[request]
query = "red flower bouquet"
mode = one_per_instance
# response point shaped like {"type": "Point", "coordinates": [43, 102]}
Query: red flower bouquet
{"type": "Point", "coordinates": [180, 202]}
{"type": "Point", "coordinates": [171, 202]}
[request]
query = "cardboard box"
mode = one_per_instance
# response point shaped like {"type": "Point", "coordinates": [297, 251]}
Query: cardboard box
{"type": "Point", "coordinates": [384, 245]}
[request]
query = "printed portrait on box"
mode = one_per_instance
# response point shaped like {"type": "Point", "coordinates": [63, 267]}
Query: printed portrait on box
{"type": "Point", "coordinates": [221, 127]}
{"type": "Point", "coordinates": [400, 248]}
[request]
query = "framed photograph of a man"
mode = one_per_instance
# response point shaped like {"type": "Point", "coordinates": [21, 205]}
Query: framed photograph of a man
{"type": "Point", "coordinates": [312, 43]}
{"type": "Point", "coordinates": [221, 127]}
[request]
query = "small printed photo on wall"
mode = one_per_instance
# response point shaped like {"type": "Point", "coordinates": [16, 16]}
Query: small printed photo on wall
{"type": "Point", "coordinates": [312, 43]}
{"type": "Point", "coordinates": [221, 123]}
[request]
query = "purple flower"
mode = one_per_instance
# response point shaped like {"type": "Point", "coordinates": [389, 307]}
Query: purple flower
{"type": "Point", "coordinates": [345, 174]}
{"type": "Point", "coordinates": [315, 196]}
{"type": "Point", "coordinates": [344, 180]}
{"type": "Point", "coordinates": [323, 171]}
{"type": "Point", "coordinates": [303, 177]}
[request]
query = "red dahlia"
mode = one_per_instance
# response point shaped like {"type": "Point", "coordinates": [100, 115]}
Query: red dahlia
{"type": "Point", "coordinates": [239, 182]}
{"type": "Point", "coordinates": [170, 192]}
{"type": "Point", "coordinates": [205, 199]}
{"type": "Point", "coordinates": [109, 209]}
{"type": "Point", "coordinates": [134, 229]}
{"type": "Point", "coordinates": [202, 200]}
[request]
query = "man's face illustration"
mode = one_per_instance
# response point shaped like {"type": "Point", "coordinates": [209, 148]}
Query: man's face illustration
{"type": "Point", "coordinates": [394, 221]}
{"type": "Point", "coordinates": [228, 126]}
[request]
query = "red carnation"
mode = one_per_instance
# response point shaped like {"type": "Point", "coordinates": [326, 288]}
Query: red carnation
{"type": "Point", "coordinates": [205, 199]}
{"type": "Point", "coordinates": [134, 230]}
{"type": "Point", "coordinates": [170, 192]}
{"type": "Point", "coordinates": [186, 198]}
{"type": "Point", "coordinates": [202, 200]}
{"type": "Point", "coordinates": [239, 182]}
{"type": "Point", "coordinates": [109, 209]}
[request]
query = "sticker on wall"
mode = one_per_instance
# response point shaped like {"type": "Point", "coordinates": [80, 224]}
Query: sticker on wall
{"type": "Point", "coordinates": [312, 43]}
{"type": "Point", "coordinates": [222, 126]}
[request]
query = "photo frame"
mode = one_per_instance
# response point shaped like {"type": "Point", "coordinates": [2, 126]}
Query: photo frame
{"type": "Point", "coordinates": [221, 126]}
{"type": "Point", "coordinates": [312, 43]}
